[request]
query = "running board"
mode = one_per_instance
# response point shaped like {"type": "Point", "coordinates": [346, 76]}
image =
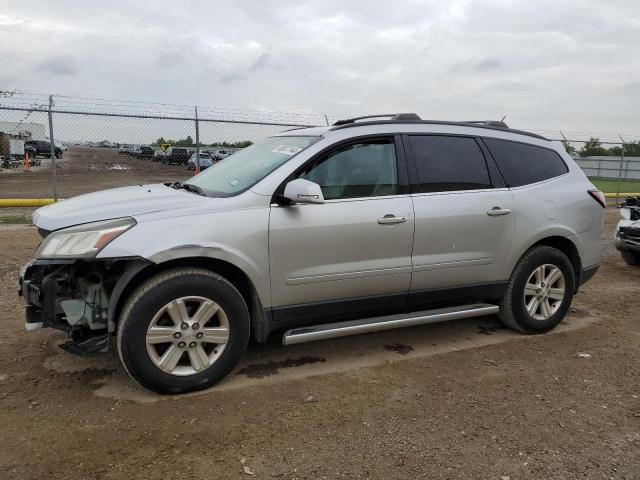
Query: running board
{"type": "Point", "coordinates": [378, 324]}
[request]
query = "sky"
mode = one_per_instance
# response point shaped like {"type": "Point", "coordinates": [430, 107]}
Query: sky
{"type": "Point", "coordinates": [545, 65]}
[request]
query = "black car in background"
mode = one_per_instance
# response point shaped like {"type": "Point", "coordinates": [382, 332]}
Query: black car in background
{"type": "Point", "coordinates": [145, 152]}
{"type": "Point", "coordinates": [41, 148]}
{"type": "Point", "coordinates": [176, 155]}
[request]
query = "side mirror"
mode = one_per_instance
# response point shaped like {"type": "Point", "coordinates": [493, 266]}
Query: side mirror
{"type": "Point", "coordinates": [303, 191]}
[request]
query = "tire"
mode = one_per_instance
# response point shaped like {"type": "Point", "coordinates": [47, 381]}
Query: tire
{"type": "Point", "coordinates": [632, 258]}
{"type": "Point", "coordinates": [540, 261]}
{"type": "Point", "coordinates": [146, 313]}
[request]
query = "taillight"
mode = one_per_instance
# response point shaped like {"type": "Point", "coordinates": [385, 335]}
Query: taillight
{"type": "Point", "coordinates": [599, 197]}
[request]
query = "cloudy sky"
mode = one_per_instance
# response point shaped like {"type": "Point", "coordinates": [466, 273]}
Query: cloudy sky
{"type": "Point", "coordinates": [572, 65]}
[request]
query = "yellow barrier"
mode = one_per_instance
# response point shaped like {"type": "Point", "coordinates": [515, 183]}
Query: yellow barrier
{"type": "Point", "coordinates": [25, 202]}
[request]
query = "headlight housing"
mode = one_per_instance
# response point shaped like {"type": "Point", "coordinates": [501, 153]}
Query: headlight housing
{"type": "Point", "coordinates": [83, 241]}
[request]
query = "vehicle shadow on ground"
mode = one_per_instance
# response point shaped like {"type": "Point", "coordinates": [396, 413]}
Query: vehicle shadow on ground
{"type": "Point", "coordinates": [272, 362]}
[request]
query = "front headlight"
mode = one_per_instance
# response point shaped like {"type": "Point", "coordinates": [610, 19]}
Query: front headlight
{"type": "Point", "coordinates": [83, 241]}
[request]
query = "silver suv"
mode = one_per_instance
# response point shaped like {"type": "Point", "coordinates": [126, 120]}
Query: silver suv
{"type": "Point", "coordinates": [366, 225]}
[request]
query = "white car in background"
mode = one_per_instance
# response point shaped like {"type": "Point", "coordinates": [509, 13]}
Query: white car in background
{"type": "Point", "coordinates": [627, 236]}
{"type": "Point", "coordinates": [125, 149]}
{"type": "Point", "coordinates": [205, 161]}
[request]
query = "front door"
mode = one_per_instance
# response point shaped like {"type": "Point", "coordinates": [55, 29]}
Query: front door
{"type": "Point", "coordinates": [351, 255]}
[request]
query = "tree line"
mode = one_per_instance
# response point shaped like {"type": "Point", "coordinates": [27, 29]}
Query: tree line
{"type": "Point", "coordinates": [594, 148]}
{"type": "Point", "coordinates": [189, 142]}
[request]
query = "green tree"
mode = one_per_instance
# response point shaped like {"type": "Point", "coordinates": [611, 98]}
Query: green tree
{"type": "Point", "coordinates": [187, 142]}
{"type": "Point", "coordinates": [632, 149]}
{"type": "Point", "coordinates": [592, 148]}
{"type": "Point", "coordinates": [160, 141]}
{"type": "Point", "coordinates": [571, 150]}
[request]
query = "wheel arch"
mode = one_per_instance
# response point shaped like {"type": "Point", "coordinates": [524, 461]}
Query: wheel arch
{"type": "Point", "coordinates": [140, 272]}
{"type": "Point", "coordinates": [563, 243]}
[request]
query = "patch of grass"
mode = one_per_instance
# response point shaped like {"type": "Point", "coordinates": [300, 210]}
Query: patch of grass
{"type": "Point", "coordinates": [19, 219]}
{"type": "Point", "coordinates": [609, 185]}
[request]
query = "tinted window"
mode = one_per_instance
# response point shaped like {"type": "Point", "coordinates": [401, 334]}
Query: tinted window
{"type": "Point", "coordinates": [448, 164]}
{"type": "Point", "coordinates": [366, 169]}
{"type": "Point", "coordinates": [522, 164]}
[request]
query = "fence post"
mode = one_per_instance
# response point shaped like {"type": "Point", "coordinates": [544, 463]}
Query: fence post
{"type": "Point", "coordinates": [620, 171]}
{"type": "Point", "coordinates": [196, 164]}
{"type": "Point", "coordinates": [54, 180]}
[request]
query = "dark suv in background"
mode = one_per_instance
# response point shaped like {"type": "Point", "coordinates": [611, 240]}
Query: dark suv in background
{"type": "Point", "coordinates": [42, 148]}
{"type": "Point", "coordinates": [176, 155]}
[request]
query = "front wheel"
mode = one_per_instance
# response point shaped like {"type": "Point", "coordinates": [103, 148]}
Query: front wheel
{"type": "Point", "coordinates": [182, 330]}
{"type": "Point", "coordinates": [539, 292]}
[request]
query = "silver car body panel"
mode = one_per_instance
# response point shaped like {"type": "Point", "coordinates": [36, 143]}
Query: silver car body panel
{"type": "Point", "coordinates": [312, 262]}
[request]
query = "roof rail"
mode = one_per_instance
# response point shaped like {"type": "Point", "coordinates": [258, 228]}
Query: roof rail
{"type": "Point", "coordinates": [392, 116]}
{"type": "Point", "coordinates": [488, 123]}
{"type": "Point", "coordinates": [404, 118]}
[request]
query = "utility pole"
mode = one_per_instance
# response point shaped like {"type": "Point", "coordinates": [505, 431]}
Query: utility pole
{"type": "Point", "coordinates": [54, 180]}
{"type": "Point", "coordinates": [197, 162]}
{"type": "Point", "coordinates": [620, 170]}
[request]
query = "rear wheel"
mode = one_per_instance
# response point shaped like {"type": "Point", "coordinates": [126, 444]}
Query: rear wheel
{"type": "Point", "coordinates": [632, 258]}
{"type": "Point", "coordinates": [183, 330]}
{"type": "Point", "coordinates": [539, 292]}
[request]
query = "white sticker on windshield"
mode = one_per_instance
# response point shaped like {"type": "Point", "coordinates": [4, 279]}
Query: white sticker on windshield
{"type": "Point", "coordinates": [286, 149]}
{"type": "Point", "coordinates": [234, 182]}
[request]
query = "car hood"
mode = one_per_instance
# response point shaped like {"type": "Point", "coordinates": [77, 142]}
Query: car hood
{"type": "Point", "coordinates": [114, 203]}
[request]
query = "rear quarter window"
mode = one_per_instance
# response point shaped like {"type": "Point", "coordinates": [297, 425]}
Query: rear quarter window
{"type": "Point", "coordinates": [523, 164]}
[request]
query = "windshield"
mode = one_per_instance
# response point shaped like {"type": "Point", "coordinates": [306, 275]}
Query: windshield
{"type": "Point", "coordinates": [242, 170]}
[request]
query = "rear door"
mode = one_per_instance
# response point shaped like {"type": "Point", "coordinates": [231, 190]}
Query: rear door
{"type": "Point", "coordinates": [464, 219]}
{"type": "Point", "coordinates": [350, 256]}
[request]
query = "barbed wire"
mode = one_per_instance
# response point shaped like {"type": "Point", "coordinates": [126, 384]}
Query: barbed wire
{"type": "Point", "coordinates": [33, 101]}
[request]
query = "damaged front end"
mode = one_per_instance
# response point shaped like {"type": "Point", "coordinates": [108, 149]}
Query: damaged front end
{"type": "Point", "coordinates": [76, 296]}
{"type": "Point", "coordinates": [66, 287]}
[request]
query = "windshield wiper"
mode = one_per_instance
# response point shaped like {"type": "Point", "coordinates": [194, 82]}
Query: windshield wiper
{"type": "Point", "coordinates": [189, 187]}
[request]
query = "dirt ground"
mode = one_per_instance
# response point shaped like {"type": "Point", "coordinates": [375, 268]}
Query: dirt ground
{"type": "Point", "coordinates": [86, 169]}
{"type": "Point", "coordinates": [460, 400]}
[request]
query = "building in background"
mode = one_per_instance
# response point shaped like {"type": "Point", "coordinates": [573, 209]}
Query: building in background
{"type": "Point", "coordinates": [26, 130]}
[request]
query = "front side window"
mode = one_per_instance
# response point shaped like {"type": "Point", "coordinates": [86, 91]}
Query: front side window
{"type": "Point", "coordinates": [448, 163]}
{"type": "Point", "coordinates": [364, 169]}
{"type": "Point", "coordinates": [242, 170]}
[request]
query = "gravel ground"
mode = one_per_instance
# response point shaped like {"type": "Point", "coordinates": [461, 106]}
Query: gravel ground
{"type": "Point", "coordinates": [463, 400]}
{"type": "Point", "coordinates": [87, 169]}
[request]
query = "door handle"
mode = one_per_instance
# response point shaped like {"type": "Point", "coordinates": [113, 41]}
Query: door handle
{"type": "Point", "coordinates": [497, 211]}
{"type": "Point", "coordinates": [390, 219]}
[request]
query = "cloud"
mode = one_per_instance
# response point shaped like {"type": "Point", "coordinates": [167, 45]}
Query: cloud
{"type": "Point", "coordinates": [450, 60]}
{"type": "Point", "coordinates": [59, 65]}
{"type": "Point", "coordinates": [488, 64]}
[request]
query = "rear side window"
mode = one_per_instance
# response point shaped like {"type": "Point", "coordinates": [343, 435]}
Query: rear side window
{"type": "Point", "coordinates": [446, 164]}
{"type": "Point", "coordinates": [522, 164]}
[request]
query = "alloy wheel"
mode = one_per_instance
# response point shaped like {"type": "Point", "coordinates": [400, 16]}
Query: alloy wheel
{"type": "Point", "coordinates": [544, 292]}
{"type": "Point", "coordinates": [187, 335]}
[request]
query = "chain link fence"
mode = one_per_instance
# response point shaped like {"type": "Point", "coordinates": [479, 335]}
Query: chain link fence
{"type": "Point", "coordinates": [100, 143]}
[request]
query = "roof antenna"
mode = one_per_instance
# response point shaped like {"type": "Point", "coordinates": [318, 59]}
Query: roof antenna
{"type": "Point", "coordinates": [503, 118]}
